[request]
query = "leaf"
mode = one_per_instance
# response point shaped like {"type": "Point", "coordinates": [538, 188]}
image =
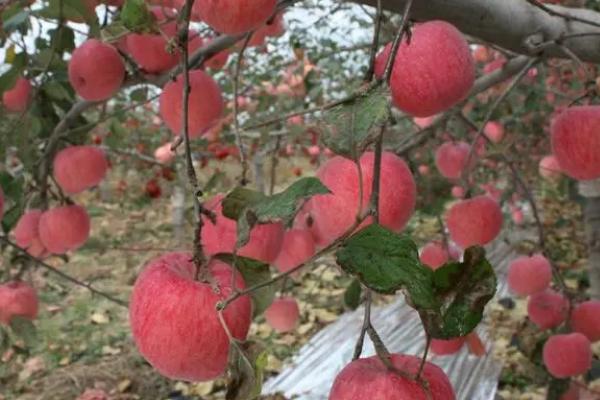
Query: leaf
{"type": "Point", "coordinates": [450, 300]}
{"type": "Point", "coordinates": [252, 208]}
{"type": "Point", "coordinates": [214, 180]}
{"type": "Point", "coordinates": [72, 10]}
{"type": "Point", "coordinates": [463, 290]}
{"type": "Point", "coordinates": [386, 262]}
{"type": "Point", "coordinates": [254, 272]}
{"type": "Point", "coordinates": [352, 295]}
{"type": "Point", "coordinates": [63, 39]}
{"type": "Point", "coordinates": [136, 17]}
{"type": "Point", "coordinates": [12, 21]}
{"type": "Point", "coordinates": [247, 371]}
{"type": "Point", "coordinates": [349, 125]}
{"type": "Point", "coordinates": [24, 329]}
{"type": "Point", "coordinates": [113, 32]}
{"type": "Point", "coordinates": [140, 94]}
{"type": "Point", "coordinates": [55, 90]}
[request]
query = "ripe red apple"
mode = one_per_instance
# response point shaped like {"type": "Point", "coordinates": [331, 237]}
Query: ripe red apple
{"type": "Point", "coordinates": [458, 192]}
{"type": "Point", "coordinates": [549, 168]}
{"type": "Point", "coordinates": [96, 70]}
{"type": "Point", "coordinates": [424, 122]}
{"type": "Point", "coordinates": [494, 131]}
{"type": "Point", "coordinates": [451, 159]}
{"type": "Point", "coordinates": [442, 347]}
{"type": "Point", "coordinates": [567, 355]}
{"type": "Point", "coordinates": [435, 70]}
{"type": "Point", "coordinates": [298, 246]}
{"type": "Point", "coordinates": [17, 98]}
{"type": "Point", "coordinates": [475, 221]}
{"type": "Point", "coordinates": [64, 228]}
{"type": "Point", "coordinates": [149, 50]}
{"type": "Point", "coordinates": [174, 322]}
{"type": "Point", "coordinates": [265, 240]}
{"type": "Point", "coordinates": [282, 315]}
{"type": "Point", "coordinates": [164, 154]}
{"type": "Point", "coordinates": [27, 233]}
{"type": "Point", "coordinates": [529, 275]}
{"type": "Point", "coordinates": [575, 135]}
{"type": "Point", "coordinates": [334, 213]}
{"type": "Point", "coordinates": [17, 299]}
{"type": "Point", "coordinates": [369, 378]}
{"type": "Point", "coordinates": [233, 17]}
{"type": "Point", "coordinates": [547, 309]}
{"type": "Point", "coordinates": [434, 255]}
{"type": "Point", "coordinates": [585, 319]}
{"type": "Point", "coordinates": [153, 189]}
{"type": "Point", "coordinates": [78, 168]}
{"type": "Point", "coordinates": [517, 216]}
{"type": "Point", "coordinates": [272, 28]}
{"type": "Point", "coordinates": [205, 104]}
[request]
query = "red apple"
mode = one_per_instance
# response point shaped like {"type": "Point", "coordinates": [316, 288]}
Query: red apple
{"type": "Point", "coordinates": [233, 17]}
{"type": "Point", "coordinates": [575, 135]}
{"type": "Point", "coordinates": [282, 315]}
{"type": "Point", "coordinates": [475, 221]}
{"type": "Point", "coordinates": [27, 233]}
{"type": "Point", "coordinates": [451, 159]}
{"type": "Point", "coordinates": [494, 131]}
{"type": "Point", "coordinates": [567, 355]}
{"type": "Point", "coordinates": [529, 275]}
{"type": "Point", "coordinates": [447, 347]}
{"type": "Point", "coordinates": [369, 378]}
{"type": "Point", "coordinates": [64, 228]}
{"type": "Point", "coordinates": [174, 321]}
{"type": "Point", "coordinates": [547, 309]}
{"type": "Point", "coordinates": [585, 319]}
{"type": "Point", "coordinates": [96, 70]}
{"type": "Point", "coordinates": [434, 255]}
{"type": "Point", "coordinates": [17, 299]}
{"type": "Point", "coordinates": [78, 168]}
{"type": "Point", "coordinates": [435, 70]}
{"type": "Point", "coordinates": [298, 246]}
{"type": "Point", "coordinates": [549, 168]}
{"type": "Point", "coordinates": [205, 104]}
{"type": "Point", "coordinates": [164, 154]}
{"type": "Point", "coordinates": [18, 97]}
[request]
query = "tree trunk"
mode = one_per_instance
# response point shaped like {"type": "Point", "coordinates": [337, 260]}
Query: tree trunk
{"type": "Point", "coordinates": [590, 190]}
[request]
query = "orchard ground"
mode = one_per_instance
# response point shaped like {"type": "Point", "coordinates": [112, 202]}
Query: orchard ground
{"type": "Point", "coordinates": [83, 341]}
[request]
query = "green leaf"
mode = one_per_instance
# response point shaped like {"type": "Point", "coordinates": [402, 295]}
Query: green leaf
{"type": "Point", "coordinates": [117, 134]}
{"type": "Point", "coordinates": [352, 295]}
{"type": "Point", "coordinates": [12, 21]}
{"type": "Point", "coordinates": [349, 126]}
{"type": "Point", "coordinates": [113, 32]}
{"type": "Point", "coordinates": [463, 290]}
{"type": "Point", "coordinates": [63, 39]}
{"type": "Point", "coordinates": [251, 208]}
{"type": "Point", "coordinates": [136, 17]}
{"type": "Point", "coordinates": [140, 94]}
{"type": "Point", "coordinates": [386, 262]}
{"type": "Point", "coordinates": [72, 10]}
{"type": "Point", "coordinates": [247, 371]}
{"type": "Point", "coordinates": [214, 180]}
{"type": "Point", "coordinates": [254, 272]}
{"type": "Point", "coordinates": [55, 90]}
{"type": "Point", "coordinates": [24, 329]}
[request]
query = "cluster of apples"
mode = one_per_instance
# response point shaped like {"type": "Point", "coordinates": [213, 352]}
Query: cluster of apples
{"type": "Point", "coordinates": [63, 228]}
{"type": "Point", "coordinates": [565, 355]}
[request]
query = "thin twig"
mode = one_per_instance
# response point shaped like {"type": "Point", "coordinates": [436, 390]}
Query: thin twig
{"type": "Point", "coordinates": [358, 347]}
{"type": "Point", "coordinates": [375, 44]}
{"type": "Point", "coordinates": [554, 13]}
{"type": "Point", "coordinates": [389, 66]}
{"type": "Point", "coordinates": [236, 122]}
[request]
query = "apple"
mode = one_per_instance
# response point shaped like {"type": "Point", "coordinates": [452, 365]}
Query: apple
{"type": "Point", "coordinates": [77, 168]}
{"type": "Point", "coordinates": [547, 309]}
{"type": "Point", "coordinates": [434, 255]}
{"type": "Point", "coordinates": [283, 314]}
{"type": "Point", "coordinates": [164, 154]}
{"type": "Point", "coordinates": [96, 70]}
{"type": "Point", "coordinates": [64, 228]}
{"type": "Point", "coordinates": [451, 159]}
{"type": "Point", "coordinates": [233, 17]}
{"type": "Point", "coordinates": [174, 321]}
{"type": "Point", "coordinates": [529, 275]}
{"type": "Point", "coordinates": [17, 299]}
{"type": "Point", "coordinates": [27, 234]}
{"type": "Point", "coordinates": [442, 347]}
{"type": "Point", "coordinates": [265, 240]}
{"type": "Point", "coordinates": [494, 131]}
{"type": "Point", "coordinates": [475, 221]}
{"type": "Point", "coordinates": [567, 355]}
{"type": "Point", "coordinates": [549, 168]}
{"type": "Point", "coordinates": [575, 135]}
{"type": "Point", "coordinates": [369, 378]}
{"type": "Point", "coordinates": [17, 98]}
{"type": "Point", "coordinates": [585, 319]}
{"type": "Point", "coordinates": [298, 246]}
{"type": "Point", "coordinates": [205, 104]}
{"type": "Point", "coordinates": [432, 72]}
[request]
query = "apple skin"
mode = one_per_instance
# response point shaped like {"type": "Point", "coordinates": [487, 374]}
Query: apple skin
{"type": "Point", "coordinates": [17, 99]}
{"type": "Point", "coordinates": [77, 168]}
{"type": "Point", "coordinates": [369, 378]}
{"type": "Point", "coordinates": [434, 255]}
{"type": "Point", "coordinates": [298, 246]}
{"type": "Point", "coordinates": [283, 314]}
{"type": "Point", "coordinates": [435, 70]}
{"type": "Point", "coordinates": [451, 159]}
{"type": "Point", "coordinates": [494, 131]}
{"type": "Point", "coordinates": [475, 221]}
{"type": "Point", "coordinates": [205, 104]}
{"type": "Point", "coordinates": [567, 355]}
{"type": "Point", "coordinates": [64, 228]}
{"type": "Point", "coordinates": [96, 70]}
{"type": "Point", "coordinates": [27, 235]}
{"type": "Point", "coordinates": [585, 319]}
{"type": "Point", "coordinates": [149, 50]}
{"type": "Point", "coordinates": [174, 321]}
{"type": "Point", "coordinates": [335, 213]}
{"type": "Point", "coordinates": [529, 275]}
{"type": "Point", "coordinates": [233, 17]}
{"type": "Point", "coordinates": [575, 135]}
{"type": "Point", "coordinates": [265, 240]}
{"type": "Point", "coordinates": [549, 168]}
{"type": "Point", "coordinates": [17, 298]}
{"type": "Point", "coordinates": [547, 309]}
{"type": "Point", "coordinates": [442, 347]}
{"type": "Point", "coordinates": [275, 28]}
{"type": "Point", "coordinates": [164, 154]}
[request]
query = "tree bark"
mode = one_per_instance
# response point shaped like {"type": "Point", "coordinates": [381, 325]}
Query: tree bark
{"type": "Point", "coordinates": [512, 24]}
{"type": "Point", "coordinates": [590, 190]}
